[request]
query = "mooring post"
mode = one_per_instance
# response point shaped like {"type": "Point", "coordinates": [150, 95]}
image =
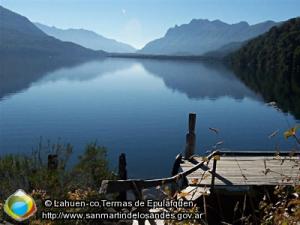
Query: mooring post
{"type": "Point", "coordinates": [190, 137]}
{"type": "Point", "coordinates": [175, 171]}
{"type": "Point", "coordinates": [52, 162]}
{"type": "Point", "coordinates": [213, 174]}
{"type": "Point", "coordinates": [176, 165]}
{"type": "Point", "coordinates": [122, 174]}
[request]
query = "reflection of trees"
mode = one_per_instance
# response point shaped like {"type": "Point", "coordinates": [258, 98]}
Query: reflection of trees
{"type": "Point", "coordinates": [272, 89]}
{"type": "Point", "coordinates": [18, 73]}
{"type": "Point", "coordinates": [270, 64]}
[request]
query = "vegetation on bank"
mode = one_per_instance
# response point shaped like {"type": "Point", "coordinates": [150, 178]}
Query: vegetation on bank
{"type": "Point", "coordinates": [280, 205]}
{"type": "Point", "coordinates": [31, 173]}
{"type": "Point", "coordinates": [270, 65]}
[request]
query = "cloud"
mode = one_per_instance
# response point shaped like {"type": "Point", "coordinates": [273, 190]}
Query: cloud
{"type": "Point", "coordinates": [124, 12]}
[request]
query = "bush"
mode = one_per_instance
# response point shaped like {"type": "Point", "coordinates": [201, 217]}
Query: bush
{"type": "Point", "coordinates": [31, 173]}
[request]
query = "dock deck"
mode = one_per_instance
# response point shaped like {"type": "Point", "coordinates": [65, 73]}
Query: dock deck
{"type": "Point", "coordinates": [243, 171]}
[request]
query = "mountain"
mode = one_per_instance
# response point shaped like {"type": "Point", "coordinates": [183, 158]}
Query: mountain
{"type": "Point", "coordinates": [201, 36]}
{"type": "Point", "coordinates": [86, 38]}
{"type": "Point", "coordinates": [20, 36]}
{"type": "Point", "coordinates": [270, 64]}
{"type": "Point", "coordinates": [225, 50]}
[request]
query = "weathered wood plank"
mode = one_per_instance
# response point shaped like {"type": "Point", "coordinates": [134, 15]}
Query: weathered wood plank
{"type": "Point", "coordinates": [245, 170]}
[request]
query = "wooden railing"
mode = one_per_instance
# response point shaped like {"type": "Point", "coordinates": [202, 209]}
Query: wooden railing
{"type": "Point", "coordinates": [111, 186]}
{"type": "Point", "coordinates": [136, 185]}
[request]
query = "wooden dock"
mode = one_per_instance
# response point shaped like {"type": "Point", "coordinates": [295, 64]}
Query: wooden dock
{"type": "Point", "coordinates": [233, 171]}
{"type": "Point", "coordinates": [221, 172]}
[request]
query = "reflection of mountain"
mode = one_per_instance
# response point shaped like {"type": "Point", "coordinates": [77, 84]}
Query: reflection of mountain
{"type": "Point", "coordinates": [17, 73]}
{"type": "Point", "coordinates": [199, 79]}
{"type": "Point", "coordinates": [89, 70]}
{"type": "Point", "coordinates": [27, 53]}
{"type": "Point", "coordinates": [29, 70]}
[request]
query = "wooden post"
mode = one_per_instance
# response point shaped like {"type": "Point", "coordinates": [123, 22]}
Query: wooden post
{"type": "Point", "coordinates": [52, 162]}
{"type": "Point", "coordinates": [176, 165]}
{"type": "Point", "coordinates": [175, 171]}
{"type": "Point", "coordinates": [122, 174]}
{"type": "Point", "coordinates": [190, 137]}
{"type": "Point", "coordinates": [213, 174]}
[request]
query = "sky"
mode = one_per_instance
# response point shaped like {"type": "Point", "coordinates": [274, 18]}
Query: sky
{"type": "Point", "coordinates": [137, 22]}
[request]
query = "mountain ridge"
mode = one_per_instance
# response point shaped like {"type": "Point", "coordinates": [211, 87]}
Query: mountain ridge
{"type": "Point", "coordinates": [202, 35]}
{"type": "Point", "coordinates": [86, 38]}
{"type": "Point", "coordinates": [20, 36]}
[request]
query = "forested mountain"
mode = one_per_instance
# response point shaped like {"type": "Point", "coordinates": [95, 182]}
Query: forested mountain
{"type": "Point", "coordinates": [86, 38]}
{"type": "Point", "coordinates": [19, 36]}
{"type": "Point", "coordinates": [225, 50]}
{"type": "Point", "coordinates": [270, 64]}
{"type": "Point", "coordinates": [201, 36]}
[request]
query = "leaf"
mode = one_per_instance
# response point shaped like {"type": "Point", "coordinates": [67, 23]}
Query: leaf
{"type": "Point", "coordinates": [291, 132]}
{"type": "Point", "coordinates": [216, 130]}
{"type": "Point", "coordinates": [273, 134]}
{"type": "Point", "coordinates": [217, 157]}
{"type": "Point", "coordinates": [205, 159]}
{"type": "Point", "coordinates": [195, 181]}
{"type": "Point", "coordinates": [182, 194]}
{"type": "Point", "coordinates": [277, 157]}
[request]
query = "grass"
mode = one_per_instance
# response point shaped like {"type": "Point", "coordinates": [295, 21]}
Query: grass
{"type": "Point", "coordinates": [31, 173]}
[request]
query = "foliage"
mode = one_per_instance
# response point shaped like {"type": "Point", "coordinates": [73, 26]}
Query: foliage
{"type": "Point", "coordinates": [283, 205]}
{"type": "Point", "coordinates": [284, 208]}
{"type": "Point", "coordinates": [270, 65]}
{"type": "Point", "coordinates": [292, 133]}
{"type": "Point", "coordinates": [31, 173]}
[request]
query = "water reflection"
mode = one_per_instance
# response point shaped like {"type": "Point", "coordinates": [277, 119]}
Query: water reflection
{"type": "Point", "coordinates": [281, 88]}
{"type": "Point", "coordinates": [199, 79]}
{"type": "Point", "coordinates": [139, 107]}
{"type": "Point", "coordinates": [195, 79]}
{"type": "Point", "coordinates": [18, 73]}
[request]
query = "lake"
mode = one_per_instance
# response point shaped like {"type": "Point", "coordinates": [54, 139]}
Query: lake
{"type": "Point", "coordinates": [139, 107]}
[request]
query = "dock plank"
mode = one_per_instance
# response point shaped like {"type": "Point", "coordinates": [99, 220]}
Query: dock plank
{"type": "Point", "coordinates": [245, 170]}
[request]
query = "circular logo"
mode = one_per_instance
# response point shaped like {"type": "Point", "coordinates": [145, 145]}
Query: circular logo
{"type": "Point", "coordinates": [20, 206]}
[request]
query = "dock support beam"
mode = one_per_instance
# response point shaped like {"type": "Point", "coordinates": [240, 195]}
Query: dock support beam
{"type": "Point", "coordinates": [190, 137]}
{"type": "Point", "coordinates": [176, 165]}
{"type": "Point", "coordinates": [122, 174]}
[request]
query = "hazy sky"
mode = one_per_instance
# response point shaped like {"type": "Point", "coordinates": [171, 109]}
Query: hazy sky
{"type": "Point", "coordinates": [138, 21]}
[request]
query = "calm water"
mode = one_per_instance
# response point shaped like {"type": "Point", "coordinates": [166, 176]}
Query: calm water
{"type": "Point", "coordinates": [139, 107]}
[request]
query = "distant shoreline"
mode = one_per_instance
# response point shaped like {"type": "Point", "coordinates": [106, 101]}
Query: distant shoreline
{"type": "Point", "coordinates": [163, 57]}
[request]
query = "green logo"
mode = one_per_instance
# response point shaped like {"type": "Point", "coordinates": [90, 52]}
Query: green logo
{"type": "Point", "coordinates": [20, 206]}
